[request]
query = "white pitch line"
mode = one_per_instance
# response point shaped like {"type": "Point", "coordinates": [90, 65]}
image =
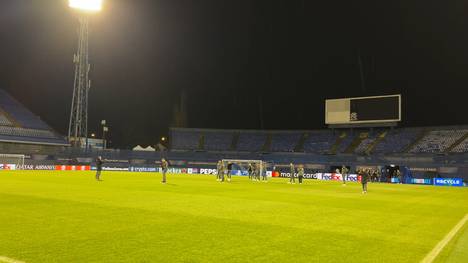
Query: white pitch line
{"type": "Point", "coordinates": [9, 260]}
{"type": "Point", "coordinates": [438, 248]}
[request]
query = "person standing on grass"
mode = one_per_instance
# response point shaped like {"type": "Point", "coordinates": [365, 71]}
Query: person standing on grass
{"type": "Point", "coordinates": [364, 178]}
{"type": "Point", "coordinates": [227, 171]}
{"type": "Point", "coordinates": [264, 174]}
{"type": "Point", "coordinates": [219, 171]}
{"type": "Point", "coordinates": [259, 170]}
{"type": "Point", "coordinates": [250, 171]}
{"type": "Point", "coordinates": [98, 168]}
{"type": "Point", "coordinates": [293, 173]}
{"type": "Point", "coordinates": [399, 175]}
{"type": "Point", "coordinates": [164, 168]}
{"type": "Point", "coordinates": [254, 172]}
{"type": "Point", "coordinates": [300, 173]}
{"type": "Point", "coordinates": [344, 174]}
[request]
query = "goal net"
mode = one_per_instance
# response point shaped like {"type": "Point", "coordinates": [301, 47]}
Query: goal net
{"type": "Point", "coordinates": [11, 161]}
{"type": "Point", "coordinates": [242, 166]}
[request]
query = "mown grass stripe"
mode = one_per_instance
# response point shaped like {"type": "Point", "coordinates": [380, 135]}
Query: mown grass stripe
{"type": "Point", "coordinates": [9, 260]}
{"type": "Point", "coordinates": [440, 246]}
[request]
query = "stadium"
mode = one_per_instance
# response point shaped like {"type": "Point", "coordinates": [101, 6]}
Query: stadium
{"type": "Point", "coordinates": [361, 183]}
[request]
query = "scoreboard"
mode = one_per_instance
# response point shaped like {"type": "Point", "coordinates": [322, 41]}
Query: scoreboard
{"type": "Point", "coordinates": [378, 109]}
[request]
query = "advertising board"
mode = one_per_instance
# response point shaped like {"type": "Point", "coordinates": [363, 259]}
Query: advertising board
{"type": "Point", "coordinates": [448, 181]}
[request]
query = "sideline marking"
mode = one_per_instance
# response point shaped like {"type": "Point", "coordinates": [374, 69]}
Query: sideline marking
{"type": "Point", "coordinates": [438, 248]}
{"type": "Point", "coordinates": [9, 260]}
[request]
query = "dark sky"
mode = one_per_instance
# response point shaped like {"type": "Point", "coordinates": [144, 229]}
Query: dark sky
{"type": "Point", "coordinates": [231, 55]}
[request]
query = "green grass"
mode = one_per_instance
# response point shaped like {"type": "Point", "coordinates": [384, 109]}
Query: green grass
{"type": "Point", "coordinates": [132, 217]}
{"type": "Point", "coordinates": [456, 251]}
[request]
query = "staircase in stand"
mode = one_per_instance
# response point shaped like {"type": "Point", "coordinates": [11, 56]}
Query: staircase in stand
{"type": "Point", "coordinates": [300, 144]}
{"type": "Point", "coordinates": [201, 142]}
{"type": "Point", "coordinates": [455, 144]}
{"type": "Point", "coordinates": [267, 146]}
{"type": "Point", "coordinates": [337, 144]}
{"type": "Point", "coordinates": [235, 140]}
{"type": "Point", "coordinates": [380, 138]}
{"type": "Point", "coordinates": [9, 118]}
{"type": "Point", "coordinates": [356, 142]}
{"type": "Point", "coordinates": [415, 142]}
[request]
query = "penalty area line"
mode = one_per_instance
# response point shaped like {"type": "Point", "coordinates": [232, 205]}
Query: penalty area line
{"type": "Point", "coordinates": [9, 260]}
{"type": "Point", "coordinates": [440, 246]}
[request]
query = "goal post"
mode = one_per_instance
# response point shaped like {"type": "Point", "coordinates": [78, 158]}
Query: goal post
{"type": "Point", "coordinates": [243, 165]}
{"type": "Point", "coordinates": [9, 160]}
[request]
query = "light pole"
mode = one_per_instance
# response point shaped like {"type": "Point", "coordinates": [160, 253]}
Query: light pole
{"type": "Point", "coordinates": [104, 130]}
{"type": "Point", "coordinates": [78, 126]}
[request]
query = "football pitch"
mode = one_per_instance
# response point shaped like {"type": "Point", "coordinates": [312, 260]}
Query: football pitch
{"type": "Point", "coordinates": [131, 217]}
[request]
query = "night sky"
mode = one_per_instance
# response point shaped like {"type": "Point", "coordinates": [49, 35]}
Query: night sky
{"type": "Point", "coordinates": [246, 64]}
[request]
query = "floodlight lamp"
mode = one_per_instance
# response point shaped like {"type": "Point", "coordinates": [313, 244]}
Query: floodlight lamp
{"type": "Point", "coordinates": [86, 5]}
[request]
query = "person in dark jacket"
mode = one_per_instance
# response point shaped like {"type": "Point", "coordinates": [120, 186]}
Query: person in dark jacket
{"type": "Point", "coordinates": [364, 179]}
{"type": "Point", "coordinates": [98, 168]}
{"type": "Point", "coordinates": [250, 171]}
{"type": "Point", "coordinates": [164, 168]}
{"type": "Point", "coordinates": [229, 171]}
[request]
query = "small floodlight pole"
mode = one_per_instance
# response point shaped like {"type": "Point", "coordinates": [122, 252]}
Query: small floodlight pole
{"type": "Point", "coordinates": [78, 126]}
{"type": "Point", "coordinates": [104, 130]}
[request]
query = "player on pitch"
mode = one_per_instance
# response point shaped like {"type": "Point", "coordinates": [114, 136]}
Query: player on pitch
{"type": "Point", "coordinates": [219, 171]}
{"type": "Point", "coordinates": [292, 179]}
{"type": "Point", "coordinates": [250, 171]}
{"type": "Point", "coordinates": [98, 168]}
{"type": "Point", "coordinates": [300, 173]}
{"type": "Point", "coordinates": [364, 178]}
{"type": "Point", "coordinates": [344, 174]}
{"type": "Point", "coordinates": [264, 174]}
{"type": "Point", "coordinates": [164, 168]}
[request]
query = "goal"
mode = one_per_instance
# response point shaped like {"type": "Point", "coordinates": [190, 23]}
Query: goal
{"type": "Point", "coordinates": [243, 165]}
{"type": "Point", "coordinates": [11, 161]}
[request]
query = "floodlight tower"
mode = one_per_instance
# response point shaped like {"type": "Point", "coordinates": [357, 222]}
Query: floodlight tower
{"type": "Point", "coordinates": [78, 126]}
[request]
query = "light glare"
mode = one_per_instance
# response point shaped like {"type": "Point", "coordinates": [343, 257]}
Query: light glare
{"type": "Point", "coordinates": [86, 5]}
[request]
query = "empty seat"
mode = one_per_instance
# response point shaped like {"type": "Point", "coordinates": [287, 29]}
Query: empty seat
{"type": "Point", "coordinates": [284, 142]}
{"type": "Point", "coordinates": [251, 141]}
{"type": "Point", "coordinates": [438, 141]}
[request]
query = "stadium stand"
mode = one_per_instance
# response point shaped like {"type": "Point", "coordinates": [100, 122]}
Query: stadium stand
{"type": "Point", "coordinates": [397, 140]}
{"type": "Point", "coordinates": [366, 142]}
{"type": "Point", "coordinates": [251, 141]}
{"type": "Point", "coordinates": [22, 132]}
{"type": "Point", "coordinates": [4, 121]}
{"type": "Point", "coordinates": [19, 125]}
{"type": "Point", "coordinates": [345, 143]}
{"type": "Point", "coordinates": [438, 141]}
{"type": "Point", "coordinates": [185, 139]}
{"type": "Point", "coordinates": [22, 115]}
{"type": "Point", "coordinates": [320, 141]}
{"type": "Point", "coordinates": [285, 142]}
{"type": "Point", "coordinates": [218, 140]}
{"type": "Point", "coordinates": [359, 141]}
{"type": "Point", "coordinates": [462, 147]}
